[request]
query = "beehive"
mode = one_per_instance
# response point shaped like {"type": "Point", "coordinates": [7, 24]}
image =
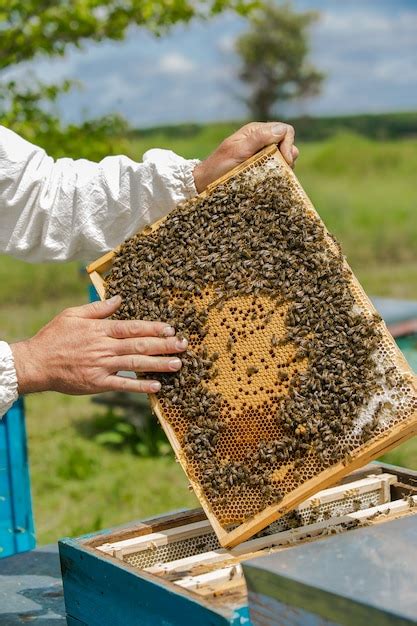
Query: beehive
{"type": "Point", "coordinates": [291, 379]}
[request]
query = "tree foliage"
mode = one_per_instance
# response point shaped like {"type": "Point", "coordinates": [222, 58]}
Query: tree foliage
{"type": "Point", "coordinates": [274, 55]}
{"type": "Point", "coordinates": [32, 28]}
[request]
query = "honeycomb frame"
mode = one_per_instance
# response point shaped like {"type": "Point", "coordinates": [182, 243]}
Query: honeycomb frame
{"type": "Point", "coordinates": [231, 534]}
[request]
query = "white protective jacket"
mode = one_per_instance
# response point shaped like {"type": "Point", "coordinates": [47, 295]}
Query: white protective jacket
{"type": "Point", "coordinates": [65, 209]}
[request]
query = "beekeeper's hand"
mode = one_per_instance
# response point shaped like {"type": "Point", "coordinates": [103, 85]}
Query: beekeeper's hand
{"type": "Point", "coordinates": [80, 351]}
{"type": "Point", "coordinates": [243, 144]}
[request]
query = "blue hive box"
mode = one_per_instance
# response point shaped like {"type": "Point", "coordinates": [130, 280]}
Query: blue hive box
{"type": "Point", "coordinates": [168, 571]}
{"type": "Point", "coordinates": [16, 520]}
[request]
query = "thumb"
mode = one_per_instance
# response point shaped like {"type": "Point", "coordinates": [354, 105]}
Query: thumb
{"type": "Point", "coordinates": [97, 310]}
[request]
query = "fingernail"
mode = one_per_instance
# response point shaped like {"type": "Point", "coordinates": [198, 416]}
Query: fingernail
{"type": "Point", "coordinates": [113, 299]}
{"type": "Point", "coordinates": [155, 387]}
{"type": "Point", "coordinates": [168, 331]}
{"type": "Point", "coordinates": [278, 129]}
{"type": "Point", "coordinates": [175, 364]}
{"type": "Point", "coordinates": [181, 344]}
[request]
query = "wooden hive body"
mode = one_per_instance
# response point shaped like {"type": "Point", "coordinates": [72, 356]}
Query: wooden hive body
{"type": "Point", "coordinates": [172, 569]}
{"type": "Point", "coordinates": [261, 368]}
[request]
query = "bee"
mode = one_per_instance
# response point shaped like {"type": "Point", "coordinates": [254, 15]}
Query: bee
{"type": "Point", "coordinates": [274, 341]}
{"type": "Point", "coordinates": [253, 238]}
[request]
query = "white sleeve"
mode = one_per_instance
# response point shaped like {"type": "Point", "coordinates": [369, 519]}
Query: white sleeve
{"type": "Point", "coordinates": [65, 209]}
{"type": "Point", "coordinates": [8, 380]}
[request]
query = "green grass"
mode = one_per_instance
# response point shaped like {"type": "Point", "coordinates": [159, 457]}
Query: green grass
{"type": "Point", "coordinates": [196, 143]}
{"type": "Point", "coordinates": [364, 190]}
{"type": "Point", "coordinates": [81, 486]}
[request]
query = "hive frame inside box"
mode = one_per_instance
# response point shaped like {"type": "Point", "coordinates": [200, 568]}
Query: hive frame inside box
{"type": "Point", "coordinates": [369, 492]}
{"type": "Point", "coordinates": [368, 451]}
{"type": "Point", "coordinates": [103, 587]}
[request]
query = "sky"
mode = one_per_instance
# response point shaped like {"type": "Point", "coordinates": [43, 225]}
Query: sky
{"type": "Point", "coordinates": [366, 48]}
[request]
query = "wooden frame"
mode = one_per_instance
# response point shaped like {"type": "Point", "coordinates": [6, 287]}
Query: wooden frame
{"type": "Point", "coordinates": [336, 495]}
{"type": "Point", "coordinates": [256, 547]}
{"type": "Point", "coordinates": [125, 547]}
{"type": "Point", "coordinates": [219, 572]}
{"type": "Point", "coordinates": [367, 452]}
{"type": "Point", "coordinates": [101, 590]}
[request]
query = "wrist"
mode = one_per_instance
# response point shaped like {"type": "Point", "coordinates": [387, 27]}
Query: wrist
{"type": "Point", "coordinates": [31, 376]}
{"type": "Point", "coordinates": [214, 166]}
{"type": "Point", "coordinates": [199, 174]}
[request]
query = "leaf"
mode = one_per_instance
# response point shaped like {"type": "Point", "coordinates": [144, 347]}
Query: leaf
{"type": "Point", "coordinates": [125, 428]}
{"type": "Point", "coordinates": [109, 438]}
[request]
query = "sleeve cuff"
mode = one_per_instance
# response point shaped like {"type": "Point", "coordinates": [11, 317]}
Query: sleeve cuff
{"type": "Point", "coordinates": [189, 183]}
{"type": "Point", "coordinates": [8, 378]}
{"type": "Point", "coordinates": [175, 173]}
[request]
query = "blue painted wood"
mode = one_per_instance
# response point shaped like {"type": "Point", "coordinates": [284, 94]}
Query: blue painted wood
{"type": "Point", "coordinates": [71, 621]}
{"type": "Point", "coordinates": [100, 591]}
{"type": "Point", "coordinates": [92, 294]}
{"type": "Point", "coordinates": [408, 346]}
{"type": "Point", "coordinates": [393, 310]}
{"type": "Point", "coordinates": [16, 519]}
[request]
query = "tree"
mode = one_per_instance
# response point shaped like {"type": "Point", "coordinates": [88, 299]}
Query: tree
{"type": "Point", "coordinates": [32, 28]}
{"type": "Point", "coordinates": [274, 59]}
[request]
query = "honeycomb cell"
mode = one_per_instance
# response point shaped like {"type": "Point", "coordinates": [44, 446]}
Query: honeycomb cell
{"type": "Point", "coordinates": [288, 371]}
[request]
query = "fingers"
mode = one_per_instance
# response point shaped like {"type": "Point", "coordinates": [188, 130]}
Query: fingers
{"type": "Point", "coordinates": [149, 346]}
{"type": "Point", "coordinates": [261, 134]}
{"type": "Point", "coordinates": [121, 329]}
{"type": "Point", "coordinates": [143, 363]}
{"type": "Point", "coordinates": [120, 383]}
{"type": "Point", "coordinates": [287, 144]}
{"type": "Point", "coordinates": [295, 153]}
{"type": "Point", "coordinates": [96, 310]}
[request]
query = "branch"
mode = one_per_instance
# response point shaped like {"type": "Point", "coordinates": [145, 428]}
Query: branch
{"type": "Point", "coordinates": [31, 27]}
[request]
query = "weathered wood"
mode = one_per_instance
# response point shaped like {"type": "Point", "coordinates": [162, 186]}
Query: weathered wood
{"type": "Point", "coordinates": [71, 621]}
{"type": "Point", "coordinates": [100, 589]}
{"type": "Point", "coordinates": [407, 476]}
{"type": "Point", "coordinates": [16, 522]}
{"type": "Point", "coordinates": [154, 524]}
{"type": "Point", "coordinates": [217, 577]}
{"type": "Point", "coordinates": [282, 539]}
{"type": "Point", "coordinates": [132, 545]}
{"type": "Point", "coordinates": [363, 472]}
{"type": "Point", "coordinates": [120, 549]}
{"type": "Point", "coordinates": [361, 578]}
{"type": "Point", "coordinates": [101, 593]}
{"type": "Point", "coordinates": [31, 589]}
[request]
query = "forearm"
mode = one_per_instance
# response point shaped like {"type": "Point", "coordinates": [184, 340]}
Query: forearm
{"type": "Point", "coordinates": [65, 209]}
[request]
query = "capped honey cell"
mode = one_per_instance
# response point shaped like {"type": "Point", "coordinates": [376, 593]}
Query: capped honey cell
{"type": "Point", "coordinates": [288, 371]}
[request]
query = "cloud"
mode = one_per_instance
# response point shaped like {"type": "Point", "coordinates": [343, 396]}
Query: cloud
{"type": "Point", "coordinates": [175, 63]}
{"type": "Point", "coordinates": [226, 43]}
{"type": "Point", "coordinates": [367, 51]}
{"type": "Point", "coordinates": [366, 47]}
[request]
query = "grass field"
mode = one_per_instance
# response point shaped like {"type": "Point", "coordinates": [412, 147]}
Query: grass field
{"type": "Point", "coordinates": [364, 190]}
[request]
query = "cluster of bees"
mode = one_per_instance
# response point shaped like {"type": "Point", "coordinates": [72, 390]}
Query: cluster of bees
{"type": "Point", "coordinates": [254, 237]}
